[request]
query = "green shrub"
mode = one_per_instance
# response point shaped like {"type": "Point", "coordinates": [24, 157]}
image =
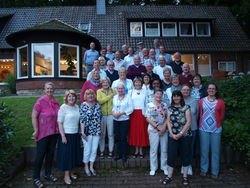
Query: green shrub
{"type": "Point", "coordinates": [236, 126]}
{"type": "Point", "coordinates": [11, 80]}
{"type": "Point", "coordinates": [8, 150]}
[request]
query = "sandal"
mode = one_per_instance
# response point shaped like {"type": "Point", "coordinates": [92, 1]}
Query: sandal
{"type": "Point", "coordinates": [37, 183]}
{"type": "Point", "coordinates": [110, 155]}
{"type": "Point", "coordinates": [185, 181]}
{"type": "Point", "coordinates": [167, 180]}
{"type": "Point", "coordinates": [73, 176]}
{"type": "Point", "coordinates": [50, 177]}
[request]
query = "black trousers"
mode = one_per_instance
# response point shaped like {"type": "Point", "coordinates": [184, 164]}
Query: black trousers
{"type": "Point", "coordinates": [182, 147]}
{"type": "Point", "coordinates": [44, 148]}
{"type": "Point", "coordinates": [121, 137]}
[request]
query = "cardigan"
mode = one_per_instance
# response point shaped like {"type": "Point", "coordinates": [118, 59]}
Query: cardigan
{"type": "Point", "coordinates": [219, 112]}
{"type": "Point", "coordinates": [105, 101]}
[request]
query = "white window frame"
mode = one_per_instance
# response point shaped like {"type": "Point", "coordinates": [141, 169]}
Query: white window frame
{"type": "Point", "coordinates": [227, 62]}
{"type": "Point", "coordinates": [209, 29]}
{"type": "Point", "coordinates": [18, 62]}
{"type": "Point", "coordinates": [181, 35]}
{"type": "Point", "coordinates": [169, 23]}
{"type": "Point", "coordinates": [59, 56]}
{"type": "Point", "coordinates": [32, 61]}
{"type": "Point", "coordinates": [210, 68]}
{"type": "Point", "coordinates": [137, 34]}
{"type": "Point", "coordinates": [145, 29]}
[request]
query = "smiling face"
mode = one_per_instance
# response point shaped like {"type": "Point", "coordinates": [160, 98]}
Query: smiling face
{"type": "Point", "coordinates": [162, 61]}
{"type": "Point", "coordinates": [185, 68]}
{"type": "Point", "coordinates": [71, 99]}
{"type": "Point", "coordinates": [138, 84]}
{"type": "Point", "coordinates": [90, 97]}
{"type": "Point", "coordinates": [95, 75]}
{"type": "Point", "coordinates": [137, 60]}
{"type": "Point", "coordinates": [105, 84]}
{"type": "Point", "coordinates": [158, 96]}
{"type": "Point", "coordinates": [156, 84]}
{"type": "Point", "coordinates": [175, 81]}
{"type": "Point", "coordinates": [185, 91]}
{"type": "Point", "coordinates": [120, 90]}
{"type": "Point", "coordinates": [49, 90]}
{"type": "Point", "coordinates": [197, 81]}
{"type": "Point", "coordinates": [211, 90]}
{"type": "Point", "coordinates": [176, 99]}
{"type": "Point", "coordinates": [122, 74]}
{"type": "Point", "coordinates": [146, 79]}
{"type": "Point", "coordinates": [166, 74]}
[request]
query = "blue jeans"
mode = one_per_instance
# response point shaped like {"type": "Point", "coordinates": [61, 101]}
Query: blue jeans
{"type": "Point", "coordinates": [210, 141]}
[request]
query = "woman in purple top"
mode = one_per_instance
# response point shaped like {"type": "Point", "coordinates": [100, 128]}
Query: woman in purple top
{"type": "Point", "coordinates": [44, 121]}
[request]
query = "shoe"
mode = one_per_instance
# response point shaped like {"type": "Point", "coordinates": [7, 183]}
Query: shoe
{"type": "Point", "coordinates": [37, 183]}
{"type": "Point", "coordinates": [203, 174]}
{"type": "Point", "coordinates": [141, 156]}
{"type": "Point", "coordinates": [110, 155]}
{"type": "Point", "coordinates": [50, 177]}
{"type": "Point", "coordinates": [93, 172]}
{"type": "Point", "coordinates": [101, 155]}
{"type": "Point", "coordinates": [88, 173]}
{"type": "Point", "coordinates": [185, 181]}
{"type": "Point", "coordinates": [73, 176]}
{"type": "Point", "coordinates": [165, 172]}
{"type": "Point", "coordinates": [118, 158]}
{"type": "Point", "coordinates": [167, 180]}
{"type": "Point", "coordinates": [152, 173]}
{"type": "Point", "coordinates": [69, 182]}
{"type": "Point", "coordinates": [135, 156]}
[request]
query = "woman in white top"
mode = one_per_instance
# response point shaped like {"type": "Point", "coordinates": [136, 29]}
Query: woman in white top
{"type": "Point", "coordinates": [122, 108]}
{"type": "Point", "coordinates": [146, 82]}
{"type": "Point", "coordinates": [128, 84]}
{"type": "Point", "coordinates": [138, 135]}
{"type": "Point", "coordinates": [68, 151]}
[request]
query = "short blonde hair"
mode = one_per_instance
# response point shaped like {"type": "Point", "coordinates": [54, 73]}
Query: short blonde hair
{"type": "Point", "coordinates": [87, 92]}
{"type": "Point", "coordinates": [67, 93]}
{"type": "Point", "coordinates": [92, 73]}
{"type": "Point", "coordinates": [105, 79]}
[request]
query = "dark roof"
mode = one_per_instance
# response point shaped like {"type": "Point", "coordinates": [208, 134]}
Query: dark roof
{"type": "Point", "coordinates": [112, 28]}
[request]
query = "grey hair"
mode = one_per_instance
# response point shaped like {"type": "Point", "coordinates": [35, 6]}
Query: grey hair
{"type": "Point", "coordinates": [174, 76]}
{"type": "Point", "coordinates": [105, 79]}
{"type": "Point", "coordinates": [122, 69]}
{"type": "Point", "coordinates": [110, 61]}
{"type": "Point", "coordinates": [49, 84]}
{"type": "Point", "coordinates": [161, 57]}
{"type": "Point", "coordinates": [167, 69]}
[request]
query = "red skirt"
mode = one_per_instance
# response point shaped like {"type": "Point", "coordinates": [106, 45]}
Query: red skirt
{"type": "Point", "coordinates": [138, 130]}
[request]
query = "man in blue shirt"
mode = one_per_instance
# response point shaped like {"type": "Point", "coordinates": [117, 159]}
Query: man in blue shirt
{"type": "Point", "coordinates": [90, 56]}
{"type": "Point", "coordinates": [163, 53]}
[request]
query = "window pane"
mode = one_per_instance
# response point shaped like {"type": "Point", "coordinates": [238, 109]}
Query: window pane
{"type": "Point", "coordinates": [23, 62]}
{"type": "Point", "coordinates": [186, 29]}
{"type": "Point", "coordinates": [68, 60]}
{"type": "Point", "coordinates": [188, 59]}
{"type": "Point", "coordinates": [203, 29]}
{"type": "Point", "coordinates": [169, 29]}
{"type": "Point", "coordinates": [228, 66]}
{"type": "Point", "coordinates": [6, 67]}
{"type": "Point", "coordinates": [135, 29]}
{"type": "Point", "coordinates": [43, 56]}
{"type": "Point", "coordinates": [152, 29]}
{"type": "Point", "coordinates": [203, 64]}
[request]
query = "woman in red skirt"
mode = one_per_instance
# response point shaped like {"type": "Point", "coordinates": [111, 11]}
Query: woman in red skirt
{"type": "Point", "coordinates": [138, 135]}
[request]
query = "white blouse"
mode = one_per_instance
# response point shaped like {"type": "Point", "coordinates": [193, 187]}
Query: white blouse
{"type": "Point", "coordinates": [128, 85]}
{"type": "Point", "coordinates": [122, 105]}
{"type": "Point", "coordinates": [138, 98]}
{"type": "Point", "coordinates": [69, 116]}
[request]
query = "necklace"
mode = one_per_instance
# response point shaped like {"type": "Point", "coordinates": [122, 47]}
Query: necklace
{"type": "Point", "coordinates": [211, 99]}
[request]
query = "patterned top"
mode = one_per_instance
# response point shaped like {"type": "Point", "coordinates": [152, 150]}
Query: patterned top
{"type": "Point", "coordinates": [47, 116]}
{"type": "Point", "coordinates": [208, 123]}
{"type": "Point", "coordinates": [150, 97]}
{"type": "Point", "coordinates": [91, 117]}
{"type": "Point", "coordinates": [157, 113]}
{"type": "Point", "coordinates": [178, 119]}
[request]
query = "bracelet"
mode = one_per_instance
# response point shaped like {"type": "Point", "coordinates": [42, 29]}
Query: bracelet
{"type": "Point", "coordinates": [181, 132]}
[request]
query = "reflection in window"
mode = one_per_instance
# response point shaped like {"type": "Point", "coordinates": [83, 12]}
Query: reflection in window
{"type": "Point", "coordinates": [6, 67]}
{"type": "Point", "coordinates": [22, 61]}
{"type": "Point", "coordinates": [169, 29]}
{"type": "Point", "coordinates": [152, 29]}
{"type": "Point", "coordinates": [68, 60]}
{"type": "Point", "coordinates": [186, 29]}
{"type": "Point", "coordinates": [43, 59]}
{"type": "Point", "coordinates": [204, 64]}
{"type": "Point", "coordinates": [188, 59]}
{"type": "Point", "coordinates": [202, 29]}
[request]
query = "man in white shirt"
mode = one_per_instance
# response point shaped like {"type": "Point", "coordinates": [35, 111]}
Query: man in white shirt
{"type": "Point", "coordinates": [96, 66]}
{"type": "Point", "coordinates": [129, 59]}
{"type": "Point", "coordinates": [118, 61]}
{"type": "Point", "coordinates": [162, 65]}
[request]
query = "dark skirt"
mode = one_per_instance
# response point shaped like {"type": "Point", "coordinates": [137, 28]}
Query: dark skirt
{"type": "Point", "coordinates": [69, 155]}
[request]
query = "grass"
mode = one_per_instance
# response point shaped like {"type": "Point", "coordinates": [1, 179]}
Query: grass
{"type": "Point", "coordinates": [22, 108]}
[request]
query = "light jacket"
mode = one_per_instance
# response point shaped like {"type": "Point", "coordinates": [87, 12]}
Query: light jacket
{"type": "Point", "coordinates": [105, 100]}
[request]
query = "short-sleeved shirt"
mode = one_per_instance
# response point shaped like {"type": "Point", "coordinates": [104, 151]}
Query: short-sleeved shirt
{"type": "Point", "coordinates": [178, 119]}
{"type": "Point", "coordinates": [91, 117]}
{"type": "Point", "coordinates": [47, 116]}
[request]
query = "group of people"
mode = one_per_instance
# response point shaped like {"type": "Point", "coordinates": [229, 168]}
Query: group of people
{"type": "Point", "coordinates": [138, 101]}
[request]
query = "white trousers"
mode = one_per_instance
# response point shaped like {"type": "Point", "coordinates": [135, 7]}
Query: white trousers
{"type": "Point", "coordinates": [90, 148]}
{"type": "Point", "coordinates": [108, 125]}
{"type": "Point", "coordinates": [154, 141]}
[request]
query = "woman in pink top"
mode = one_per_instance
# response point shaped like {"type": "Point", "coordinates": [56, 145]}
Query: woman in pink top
{"type": "Point", "coordinates": [44, 121]}
{"type": "Point", "coordinates": [94, 84]}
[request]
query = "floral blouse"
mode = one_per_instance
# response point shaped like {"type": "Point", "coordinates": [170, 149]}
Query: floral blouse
{"type": "Point", "coordinates": [178, 119]}
{"type": "Point", "coordinates": [91, 117]}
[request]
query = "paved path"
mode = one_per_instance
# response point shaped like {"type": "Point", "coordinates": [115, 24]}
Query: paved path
{"type": "Point", "coordinates": [231, 176]}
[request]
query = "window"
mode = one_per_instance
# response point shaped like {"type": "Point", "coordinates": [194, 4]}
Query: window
{"type": "Point", "coordinates": [43, 60]}
{"type": "Point", "coordinates": [69, 60]}
{"type": "Point", "coordinates": [85, 27]}
{"type": "Point", "coordinates": [152, 29]}
{"type": "Point", "coordinates": [136, 29]}
{"type": "Point", "coordinates": [203, 29]}
{"type": "Point", "coordinates": [188, 58]}
{"type": "Point", "coordinates": [186, 29]}
{"type": "Point", "coordinates": [22, 62]}
{"type": "Point", "coordinates": [6, 67]}
{"type": "Point", "coordinates": [204, 62]}
{"type": "Point", "coordinates": [169, 29]}
{"type": "Point", "coordinates": [229, 66]}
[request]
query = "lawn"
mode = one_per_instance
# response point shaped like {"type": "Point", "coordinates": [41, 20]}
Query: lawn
{"type": "Point", "coordinates": [22, 108]}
